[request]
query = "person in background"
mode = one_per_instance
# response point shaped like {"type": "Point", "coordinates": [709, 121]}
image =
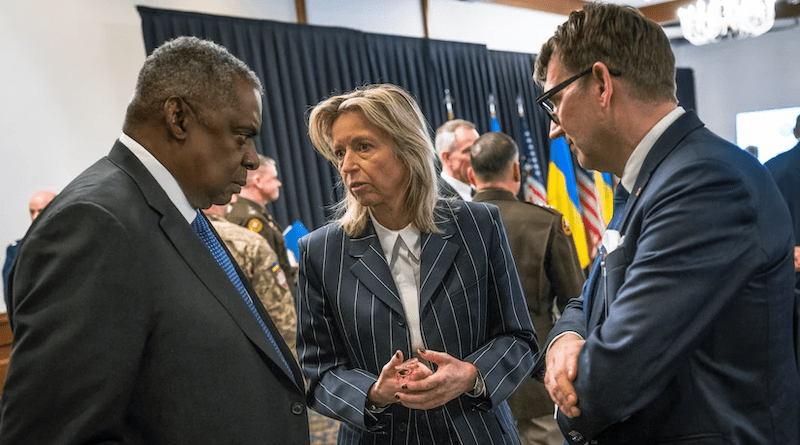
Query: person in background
{"type": "Point", "coordinates": [412, 323]}
{"type": "Point", "coordinates": [258, 263]}
{"type": "Point", "coordinates": [37, 203]}
{"type": "Point", "coordinates": [684, 330]}
{"type": "Point", "coordinates": [546, 260]}
{"type": "Point", "coordinates": [249, 210]}
{"type": "Point", "coordinates": [785, 169]}
{"type": "Point", "coordinates": [453, 140]}
{"type": "Point", "coordinates": [131, 322]}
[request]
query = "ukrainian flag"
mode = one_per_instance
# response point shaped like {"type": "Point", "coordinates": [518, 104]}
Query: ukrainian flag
{"type": "Point", "coordinates": [605, 194]}
{"type": "Point", "coordinates": [562, 194]}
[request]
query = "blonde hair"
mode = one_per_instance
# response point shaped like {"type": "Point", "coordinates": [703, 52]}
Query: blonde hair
{"type": "Point", "coordinates": [394, 111]}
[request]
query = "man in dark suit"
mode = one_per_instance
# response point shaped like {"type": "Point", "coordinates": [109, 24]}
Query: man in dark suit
{"type": "Point", "coordinates": [126, 327]}
{"type": "Point", "coordinates": [548, 267]}
{"type": "Point", "coordinates": [684, 331]}
{"type": "Point", "coordinates": [785, 168]}
{"type": "Point", "coordinates": [452, 143]}
{"type": "Point", "coordinates": [37, 203]}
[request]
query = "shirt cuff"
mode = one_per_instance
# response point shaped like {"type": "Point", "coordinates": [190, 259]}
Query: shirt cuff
{"type": "Point", "coordinates": [559, 336]}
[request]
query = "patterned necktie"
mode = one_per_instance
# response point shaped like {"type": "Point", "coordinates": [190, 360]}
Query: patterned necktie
{"type": "Point", "coordinates": [200, 225]}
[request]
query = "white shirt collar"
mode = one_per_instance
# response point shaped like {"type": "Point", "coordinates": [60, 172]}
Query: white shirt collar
{"type": "Point", "coordinates": [162, 176]}
{"type": "Point", "coordinates": [465, 190]}
{"type": "Point", "coordinates": [634, 164]}
{"type": "Point", "coordinates": [388, 238]}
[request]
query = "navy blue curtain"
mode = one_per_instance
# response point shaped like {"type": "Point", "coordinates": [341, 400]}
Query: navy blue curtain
{"type": "Point", "coordinates": [300, 65]}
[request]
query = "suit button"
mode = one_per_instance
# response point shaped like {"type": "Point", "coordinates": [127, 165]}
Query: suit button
{"type": "Point", "coordinates": [297, 408]}
{"type": "Point", "coordinates": [401, 427]}
{"type": "Point", "coordinates": [401, 323]}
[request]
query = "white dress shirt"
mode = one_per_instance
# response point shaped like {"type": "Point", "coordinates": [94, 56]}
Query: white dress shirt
{"type": "Point", "coordinates": [402, 250]}
{"type": "Point", "coordinates": [162, 176]}
{"type": "Point", "coordinates": [464, 190]}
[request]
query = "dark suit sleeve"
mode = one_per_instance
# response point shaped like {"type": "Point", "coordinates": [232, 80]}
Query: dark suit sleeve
{"type": "Point", "coordinates": [336, 389]}
{"type": "Point", "coordinates": [78, 329]}
{"type": "Point", "coordinates": [698, 242]}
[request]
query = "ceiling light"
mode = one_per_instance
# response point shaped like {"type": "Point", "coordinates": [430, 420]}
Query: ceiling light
{"type": "Point", "coordinates": [709, 21]}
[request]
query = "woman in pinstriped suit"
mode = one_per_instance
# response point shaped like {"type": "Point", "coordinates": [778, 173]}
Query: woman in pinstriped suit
{"type": "Point", "coordinates": [412, 325]}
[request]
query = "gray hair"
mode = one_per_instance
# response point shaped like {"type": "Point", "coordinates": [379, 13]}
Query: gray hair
{"type": "Point", "coordinates": [394, 111]}
{"type": "Point", "coordinates": [201, 72]}
{"type": "Point", "coordinates": [446, 134]}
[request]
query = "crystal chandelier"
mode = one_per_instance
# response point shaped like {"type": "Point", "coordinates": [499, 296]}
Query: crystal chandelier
{"type": "Point", "coordinates": [709, 21]}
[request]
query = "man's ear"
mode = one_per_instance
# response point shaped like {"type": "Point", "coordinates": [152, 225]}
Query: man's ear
{"type": "Point", "coordinates": [444, 156]}
{"type": "Point", "coordinates": [517, 175]}
{"type": "Point", "coordinates": [603, 78]}
{"type": "Point", "coordinates": [471, 175]}
{"type": "Point", "coordinates": [175, 113]}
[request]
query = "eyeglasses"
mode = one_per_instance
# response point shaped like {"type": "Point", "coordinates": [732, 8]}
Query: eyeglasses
{"type": "Point", "coordinates": [544, 99]}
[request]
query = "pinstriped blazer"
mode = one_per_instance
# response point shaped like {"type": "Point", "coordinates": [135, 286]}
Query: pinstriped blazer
{"type": "Point", "coordinates": [351, 321]}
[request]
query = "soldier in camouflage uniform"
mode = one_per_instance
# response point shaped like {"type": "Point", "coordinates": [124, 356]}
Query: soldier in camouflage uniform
{"type": "Point", "coordinates": [259, 263]}
{"type": "Point", "coordinates": [249, 211]}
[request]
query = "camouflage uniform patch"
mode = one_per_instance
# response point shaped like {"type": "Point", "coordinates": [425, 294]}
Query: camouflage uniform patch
{"type": "Point", "coordinates": [257, 260]}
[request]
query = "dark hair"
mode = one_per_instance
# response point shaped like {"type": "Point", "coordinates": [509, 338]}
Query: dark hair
{"type": "Point", "coordinates": [797, 128]}
{"type": "Point", "coordinates": [201, 72]}
{"type": "Point", "coordinates": [620, 37]}
{"type": "Point", "coordinates": [492, 154]}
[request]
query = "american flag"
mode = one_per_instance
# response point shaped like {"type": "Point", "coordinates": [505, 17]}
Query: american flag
{"type": "Point", "coordinates": [533, 182]}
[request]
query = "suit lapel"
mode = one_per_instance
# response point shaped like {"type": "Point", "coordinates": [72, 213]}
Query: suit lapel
{"type": "Point", "coordinates": [369, 266]}
{"type": "Point", "coordinates": [665, 144]}
{"type": "Point", "coordinates": [196, 255]}
{"type": "Point", "coordinates": [436, 258]}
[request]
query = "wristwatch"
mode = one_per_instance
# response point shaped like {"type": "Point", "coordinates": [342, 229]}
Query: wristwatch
{"type": "Point", "coordinates": [479, 389]}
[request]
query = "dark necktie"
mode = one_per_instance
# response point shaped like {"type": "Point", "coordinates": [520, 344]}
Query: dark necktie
{"type": "Point", "coordinates": [620, 199]}
{"type": "Point", "coordinates": [200, 224]}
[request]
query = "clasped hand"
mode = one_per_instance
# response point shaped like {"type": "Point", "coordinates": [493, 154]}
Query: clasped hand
{"type": "Point", "coordinates": [412, 384]}
{"type": "Point", "coordinates": [562, 368]}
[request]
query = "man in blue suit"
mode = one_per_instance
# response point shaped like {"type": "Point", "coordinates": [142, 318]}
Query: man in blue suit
{"type": "Point", "coordinates": [785, 168]}
{"type": "Point", "coordinates": [683, 333]}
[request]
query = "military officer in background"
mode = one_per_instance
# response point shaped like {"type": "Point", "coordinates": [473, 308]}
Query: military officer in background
{"type": "Point", "coordinates": [262, 188]}
{"type": "Point", "coordinates": [548, 267]}
{"type": "Point", "coordinates": [259, 264]}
